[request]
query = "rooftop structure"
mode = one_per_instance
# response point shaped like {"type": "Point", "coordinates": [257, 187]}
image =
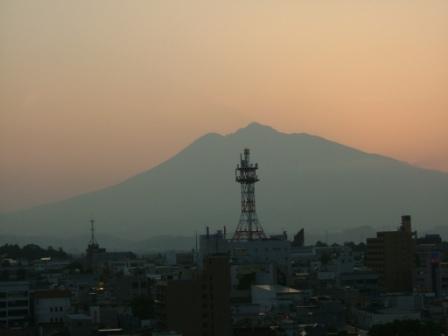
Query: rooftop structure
{"type": "Point", "coordinates": [93, 249]}
{"type": "Point", "coordinates": [93, 244]}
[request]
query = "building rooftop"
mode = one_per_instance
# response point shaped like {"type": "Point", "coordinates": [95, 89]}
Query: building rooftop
{"type": "Point", "coordinates": [277, 288]}
{"type": "Point", "coordinates": [52, 294]}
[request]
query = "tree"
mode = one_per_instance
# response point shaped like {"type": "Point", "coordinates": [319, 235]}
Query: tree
{"type": "Point", "coordinates": [31, 252]}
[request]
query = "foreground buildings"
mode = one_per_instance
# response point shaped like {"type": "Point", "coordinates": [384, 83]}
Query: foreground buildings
{"type": "Point", "coordinates": [14, 304]}
{"type": "Point", "coordinates": [197, 304]}
{"type": "Point", "coordinates": [391, 256]}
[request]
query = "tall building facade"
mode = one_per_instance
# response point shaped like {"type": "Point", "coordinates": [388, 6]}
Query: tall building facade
{"type": "Point", "coordinates": [14, 304]}
{"type": "Point", "coordinates": [199, 305]}
{"type": "Point", "coordinates": [392, 255]}
{"type": "Point", "coordinates": [431, 273]}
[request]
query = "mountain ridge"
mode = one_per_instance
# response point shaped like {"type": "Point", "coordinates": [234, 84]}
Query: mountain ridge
{"type": "Point", "coordinates": [195, 188]}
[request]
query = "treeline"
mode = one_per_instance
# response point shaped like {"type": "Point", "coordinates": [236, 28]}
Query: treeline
{"type": "Point", "coordinates": [31, 252]}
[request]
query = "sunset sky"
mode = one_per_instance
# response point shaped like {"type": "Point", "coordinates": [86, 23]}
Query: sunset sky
{"type": "Point", "coordinates": [92, 92]}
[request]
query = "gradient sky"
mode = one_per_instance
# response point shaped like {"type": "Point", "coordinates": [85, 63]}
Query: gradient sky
{"type": "Point", "coordinates": [92, 92]}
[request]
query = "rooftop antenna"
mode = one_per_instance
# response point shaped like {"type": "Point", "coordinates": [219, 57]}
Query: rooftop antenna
{"type": "Point", "coordinates": [246, 174]}
{"type": "Point", "coordinates": [93, 241]}
{"type": "Point", "coordinates": [196, 238]}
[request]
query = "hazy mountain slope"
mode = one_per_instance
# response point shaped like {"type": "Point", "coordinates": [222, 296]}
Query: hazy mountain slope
{"type": "Point", "coordinates": [306, 181]}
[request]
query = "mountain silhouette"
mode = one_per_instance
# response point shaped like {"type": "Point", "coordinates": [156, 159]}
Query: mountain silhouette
{"type": "Point", "coordinates": [305, 181]}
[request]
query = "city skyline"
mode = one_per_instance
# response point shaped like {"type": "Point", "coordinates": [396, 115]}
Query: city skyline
{"type": "Point", "coordinates": [223, 168]}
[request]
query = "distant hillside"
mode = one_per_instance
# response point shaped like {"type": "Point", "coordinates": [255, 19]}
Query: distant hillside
{"type": "Point", "coordinates": [306, 181]}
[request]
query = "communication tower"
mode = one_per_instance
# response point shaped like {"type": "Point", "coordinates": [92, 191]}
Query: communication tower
{"type": "Point", "coordinates": [93, 244]}
{"type": "Point", "coordinates": [246, 174]}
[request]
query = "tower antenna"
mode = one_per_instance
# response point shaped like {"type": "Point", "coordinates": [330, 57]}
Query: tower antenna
{"type": "Point", "coordinates": [93, 241]}
{"type": "Point", "coordinates": [246, 174]}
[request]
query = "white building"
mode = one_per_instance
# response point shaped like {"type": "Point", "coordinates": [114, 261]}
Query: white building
{"type": "Point", "coordinates": [261, 251]}
{"type": "Point", "coordinates": [395, 307]}
{"type": "Point", "coordinates": [51, 306]}
{"type": "Point", "coordinates": [431, 274]}
{"type": "Point", "coordinates": [367, 319]}
{"type": "Point", "coordinates": [258, 251]}
{"type": "Point", "coordinates": [78, 324]}
{"type": "Point", "coordinates": [14, 304]}
{"type": "Point", "coordinates": [275, 296]}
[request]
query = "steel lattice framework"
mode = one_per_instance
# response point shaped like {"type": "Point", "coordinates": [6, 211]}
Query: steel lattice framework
{"type": "Point", "coordinates": [246, 174]}
{"type": "Point", "coordinates": [93, 241]}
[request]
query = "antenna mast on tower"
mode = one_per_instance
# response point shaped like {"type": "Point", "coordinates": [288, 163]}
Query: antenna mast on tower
{"type": "Point", "coordinates": [246, 174]}
{"type": "Point", "coordinates": [93, 241]}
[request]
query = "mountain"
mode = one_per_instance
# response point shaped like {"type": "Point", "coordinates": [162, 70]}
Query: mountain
{"type": "Point", "coordinates": [305, 181]}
